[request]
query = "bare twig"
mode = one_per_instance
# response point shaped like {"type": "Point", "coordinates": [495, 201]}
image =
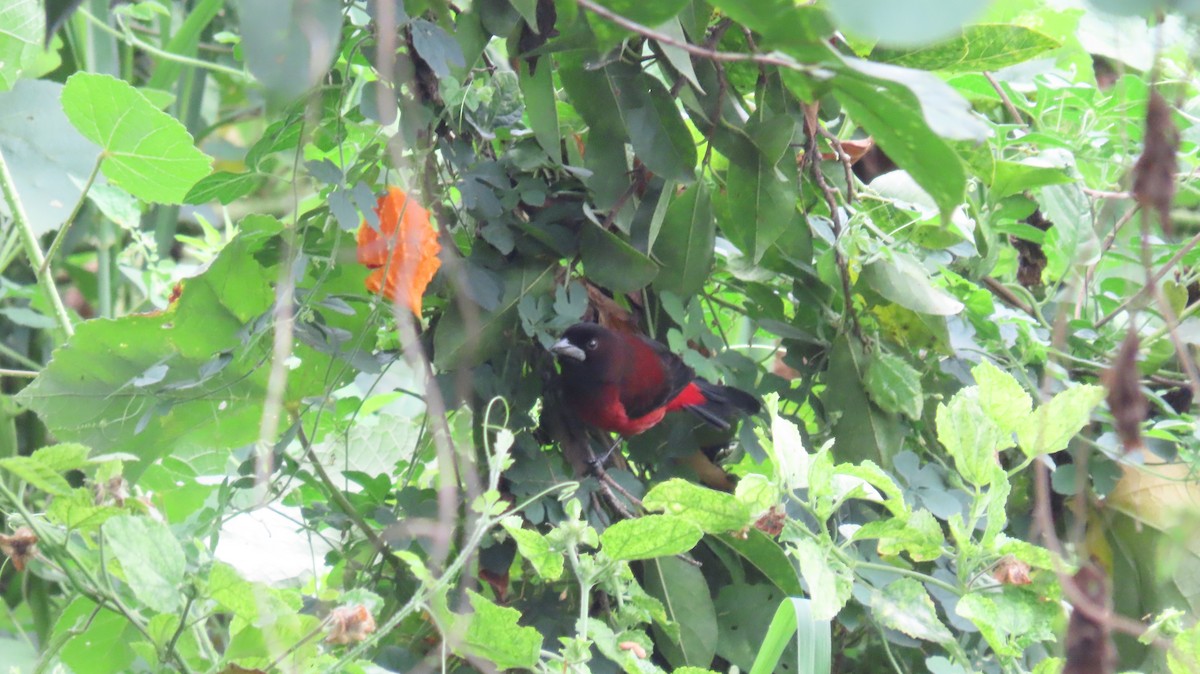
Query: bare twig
{"type": "Point", "coordinates": [1008, 104]}
{"type": "Point", "coordinates": [1008, 296]}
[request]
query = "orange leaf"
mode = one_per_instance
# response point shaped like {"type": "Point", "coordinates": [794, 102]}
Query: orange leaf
{"type": "Point", "coordinates": [403, 251]}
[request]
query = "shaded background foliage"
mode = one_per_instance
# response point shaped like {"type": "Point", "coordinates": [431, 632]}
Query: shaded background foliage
{"type": "Point", "coordinates": [921, 232]}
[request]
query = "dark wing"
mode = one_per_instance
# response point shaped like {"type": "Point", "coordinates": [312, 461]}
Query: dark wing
{"type": "Point", "coordinates": [653, 376]}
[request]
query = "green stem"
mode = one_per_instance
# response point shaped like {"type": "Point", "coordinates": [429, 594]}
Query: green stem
{"type": "Point", "coordinates": [66, 226]}
{"type": "Point", "coordinates": [132, 39]}
{"type": "Point", "coordinates": [32, 250]}
{"type": "Point", "coordinates": [924, 578]}
{"type": "Point", "coordinates": [18, 357]}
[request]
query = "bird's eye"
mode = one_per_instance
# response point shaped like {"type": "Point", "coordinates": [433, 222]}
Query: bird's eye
{"type": "Point", "coordinates": [592, 344]}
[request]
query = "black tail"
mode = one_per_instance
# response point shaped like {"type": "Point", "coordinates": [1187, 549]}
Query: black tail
{"type": "Point", "coordinates": [722, 403]}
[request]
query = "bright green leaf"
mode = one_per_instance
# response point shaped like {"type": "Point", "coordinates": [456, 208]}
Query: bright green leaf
{"type": "Point", "coordinates": [684, 246]}
{"type": "Point", "coordinates": [147, 152]}
{"type": "Point", "coordinates": [829, 581]}
{"type": "Point", "coordinates": [494, 635]}
{"type": "Point", "coordinates": [715, 512]}
{"type": "Point", "coordinates": [979, 47]}
{"type": "Point", "coordinates": [1001, 396]}
{"type": "Point", "coordinates": [905, 606]}
{"type": "Point", "coordinates": [534, 547]}
{"type": "Point", "coordinates": [1012, 619]}
{"type": "Point", "coordinates": [1053, 424]}
{"type": "Point", "coordinates": [650, 536]}
{"type": "Point", "coordinates": [970, 436]}
{"type": "Point", "coordinates": [894, 385]}
{"type": "Point", "coordinates": [151, 559]}
{"type": "Point", "coordinates": [902, 280]}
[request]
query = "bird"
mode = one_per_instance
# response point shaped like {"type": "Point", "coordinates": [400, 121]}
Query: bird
{"type": "Point", "coordinates": [626, 383]}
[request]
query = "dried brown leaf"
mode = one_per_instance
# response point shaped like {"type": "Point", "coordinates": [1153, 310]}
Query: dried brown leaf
{"type": "Point", "coordinates": [1125, 398]}
{"type": "Point", "coordinates": [1154, 172]}
{"type": "Point", "coordinates": [20, 547]}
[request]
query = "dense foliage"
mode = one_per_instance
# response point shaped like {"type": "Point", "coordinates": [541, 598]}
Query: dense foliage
{"type": "Point", "coordinates": [279, 278]}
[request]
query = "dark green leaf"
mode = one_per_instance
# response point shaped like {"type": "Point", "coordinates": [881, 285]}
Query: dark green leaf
{"type": "Point", "coordinates": [902, 280]}
{"type": "Point", "coordinates": [541, 108]}
{"type": "Point", "coordinates": [685, 243]}
{"type": "Point", "coordinates": [611, 262]}
{"type": "Point", "coordinates": [765, 555]}
{"type": "Point", "coordinates": [459, 343]}
{"type": "Point", "coordinates": [862, 431]}
{"type": "Point", "coordinates": [436, 47]}
{"type": "Point", "coordinates": [684, 592]}
{"type": "Point", "coordinates": [289, 44]}
{"type": "Point", "coordinates": [656, 129]}
{"type": "Point", "coordinates": [151, 559]}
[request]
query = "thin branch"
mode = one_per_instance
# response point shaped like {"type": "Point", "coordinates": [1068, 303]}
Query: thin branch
{"type": "Point", "coordinates": [32, 250]}
{"type": "Point", "coordinates": [1153, 279]}
{"type": "Point", "coordinates": [1008, 104]}
{"type": "Point", "coordinates": [66, 226]}
{"type": "Point", "coordinates": [772, 59]}
{"type": "Point", "coordinates": [1009, 297]}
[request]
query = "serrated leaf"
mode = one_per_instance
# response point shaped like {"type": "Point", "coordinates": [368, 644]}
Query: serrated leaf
{"type": "Point", "coordinates": [534, 547]}
{"type": "Point", "coordinates": [151, 558]}
{"type": "Point", "coordinates": [650, 536]}
{"type": "Point", "coordinates": [1011, 620]}
{"type": "Point", "coordinates": [1053, 424]}
{"type": "Point", "coordinates": [36, 474]}
{"type": "Point", "coordinates": [970, 436]}
{"type": "Point", "coordinates": [715, 512]}
{"type": "Point", "coordinates": [147, 152]}
{"type": "Point", "coordinates": [918, 534]}
{"type": "Point", "coordinates": [1001, 396]}
{"type": "Point", "coordinates": [829, 582]}
{"type": "Point", "coordinates": [895, 385]}
{"type": "Point", "coordinates": [905, 606]}
{"type": "Point", "coordinates": [78, 511]}
{"type": "Point", "coordinates": [21, 27]}
{"type": "Point", "coordinates": [493, 634]}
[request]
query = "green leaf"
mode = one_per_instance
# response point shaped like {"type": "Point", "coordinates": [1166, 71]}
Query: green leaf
{"type": "Point", "coordinates": [147, 152]}
{"type": "Point", "coordinates": [918, 534]}
{"type": "Point", "coordinates": [902, 280]}
{"type": "Point", "coordinates": [78, 511]}
{"type": "Point", "coordinates": [493, 634]}
{"type": "Point", "coordinates": [656, 130]}
{"type": "Point", "coordinates": [1001, 396]}
{"type": "Point", "coordinates": [54, 159]}
{"type": "Point", "coordinates": [1184, 655]}
{"type": "Point", "coordinates": [534, 547]}
{"type": "Point", "coordinates": [1053, 424]}
{"type": "Point", "coordinates": [289, 44]}
{"type": "Point", "coordinates": [894, 385]}
{"type": "Point", "coordinates": [863, 431]}
{"type": "Point", "coordinates": [814, 648]}
{"type": "Point", "coordinates": [715, 512]}
{"type": "Point", "coordinates": [541, 108]}
{"type": "Point", "coordinates": [875, 476]}
{"type": "Point", "coordinates": [186, 381]}
{"type": "Point", "coordinates": [224, 187]}
{"type": "Point", "coordinates": [1010, 177]}
{"type": "Point", "coordinates": [900, 124]}
{"type": "Point", "coordinates": [650, 536]}
{"type": "Point", "coordinates": [976, 48]}
{"type": "Point", "coordinates": [759, 204]}
{"type": "Point", "coordinates": [610, 261]}
{"type": "Point", "coordinates": [829, 581]}
{"type": "Point", "coordinates": [1011, 620]}
{"type": "Point", "coordinates": [906, 22]}
{"type": "Point", "coordinates": [970, 436]}
{"type": "Point", "coordinates": [1072, 242]}
{"type": "Point", "coordinates": [905, 606]}
{"type": "Point", "coordinates": [36, 474]}
{"type": "Point", "coordinates": [646, 13]}
{"type": "Point", "coordinates": [684, 246]}
{"type": "Point", "coordinates": [98, 640]}
{"type": "Point", "coordinates": [22, 24]}
{"type": "Point", "coordinates": [455, 346]}
{"type": "Point", "coordinates": [762, 552]}
{"type": "Point", "coordinates": [682, 589]}
{"type": "Point", "coordinates": [151, 559]}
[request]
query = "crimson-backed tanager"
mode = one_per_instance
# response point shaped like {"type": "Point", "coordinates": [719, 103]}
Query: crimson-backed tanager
{"type": "Point", "coordinates": [626, 383]}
